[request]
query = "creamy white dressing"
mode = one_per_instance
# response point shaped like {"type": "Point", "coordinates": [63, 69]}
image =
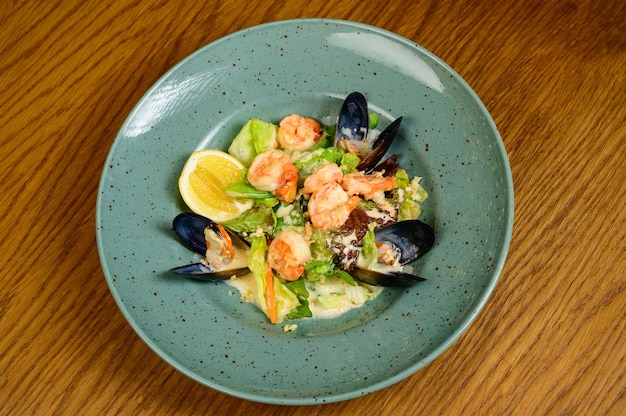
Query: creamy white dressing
{"type": "Point", "coordinates": [342, 293]}
{"type": "Point", "coordinates": [400, 192]}
{"type": "Point", "coordinates": [222, 260]}
{"type": "Point", "coordinates": [284, 210]}
{"type": "Point", "coordinates": [345, 295]}
{"type": "Point", "coordinates": [366, 146]}
{"type": "Point", "coordinates": [379, 266]}
{"type": "Point", "coordinates": [379, 214]}
{"type": "Point", "coordinates": [246, 286]}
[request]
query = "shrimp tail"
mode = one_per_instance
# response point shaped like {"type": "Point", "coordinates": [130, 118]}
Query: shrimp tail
{"type": "Point", "coordinates": [287, 192]}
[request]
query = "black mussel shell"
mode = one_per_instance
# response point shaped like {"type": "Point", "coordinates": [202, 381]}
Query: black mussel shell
{"type": "Point", "coordinates": [380, 146]}
{"type": "Point", "coordinates": [389, 279]}
{"type": "Point", "coordinates": [200, 271]}
{"type": "Point", "coordinates": [412, 237]}
{"type": "Point", "coordinates": [353, 121]}
{"type": "Point", "coordinates": [190, 229]}
{"type": "Point", "coordinates": [353, 125]}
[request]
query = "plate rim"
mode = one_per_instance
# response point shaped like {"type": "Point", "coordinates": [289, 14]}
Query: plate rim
{"type": "Point", "coordinates": [418, 364]}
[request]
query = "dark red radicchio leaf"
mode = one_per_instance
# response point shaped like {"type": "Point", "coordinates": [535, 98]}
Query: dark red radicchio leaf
{"type": "Point", "coordinates": [347, 241]}
{"type": "Point", "coordinates": [389, 166]}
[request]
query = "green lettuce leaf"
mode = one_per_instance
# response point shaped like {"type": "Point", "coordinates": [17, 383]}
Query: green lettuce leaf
{"type": "Point", "coordinates": [349, 162]}
{"type": "Point", "coordinates": [302, 311]}
{"type": "Point", "coordinates": [311, 161]}
{"type": "Point", "coordinates": [412, 195]}
{"type": "Point", "coordinates": [259, 217]}
{"type": "Point", "coordinates": [286, 300]}
{"type": "Point", "coordinates": [255, 137]}
{"type": "Point", "coordinates": [345, 276]}
{"type": "Point", "coordinates": [402, 178]}
{"type": "Point", "coordinates": [258, 267]}
{"type": "Point", "coordinates": [358, 294]}
{"type": "Point", "coordinates": [325, 141]}
{"type": "Point", "coordinates": [373, 120]}
{"type": "Point", "coordinates": [289, 216]}
{"type": "Point", "coordinates": [317, 270]}
{"type": "Point", "coordinates": [319, 247]}
{"type": "Point", "coordinates": [332, 300]}
{"type": "Point", "coordinates": [409, 210]}
{"type": "Point", "coordinates": [246, 191]}
{"type": "Point", "coordinates": [369, 253]}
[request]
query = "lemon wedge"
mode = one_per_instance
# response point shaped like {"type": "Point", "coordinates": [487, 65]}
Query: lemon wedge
{"type": "Point", "coordinates": [203, 182]}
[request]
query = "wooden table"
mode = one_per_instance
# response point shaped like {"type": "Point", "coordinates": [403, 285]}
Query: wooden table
{"type": "Point", "coordinates": [552, 338]}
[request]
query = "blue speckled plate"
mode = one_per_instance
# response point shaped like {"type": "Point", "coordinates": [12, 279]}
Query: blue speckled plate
{"type": "Point", "coordinates": [305, 66]}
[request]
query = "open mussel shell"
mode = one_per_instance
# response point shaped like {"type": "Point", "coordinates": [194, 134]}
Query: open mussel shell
{"type": "Point", "coordinates": [353, 122]}
{"type": "Point", "coordinates": [413, 238]}
{"type": "Point", "coordinates": [190, 228]}
{"type": "Point", "coordinates": [201, 271]}
{"type": "Point", "coordinates": [352, 132]}
{"type": "Point", "coordinates": [389, 279]}
{"type": "Point", "coordinates": [380, 146]}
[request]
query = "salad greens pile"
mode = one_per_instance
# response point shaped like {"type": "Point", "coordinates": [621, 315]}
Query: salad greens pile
{"type": "Point", "coordinates": [334, 253]}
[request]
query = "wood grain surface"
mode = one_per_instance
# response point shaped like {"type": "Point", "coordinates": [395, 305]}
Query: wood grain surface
{"type": "Point", "coordinates": [551, 339]}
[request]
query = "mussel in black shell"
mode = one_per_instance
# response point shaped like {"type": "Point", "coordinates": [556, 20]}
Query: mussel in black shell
{"type": "Point", "coordinates": [225, 254]}
{"type": "Point", "coordinates": [410, 239]}
{"type": "Point", "coordinates": [352, 132]}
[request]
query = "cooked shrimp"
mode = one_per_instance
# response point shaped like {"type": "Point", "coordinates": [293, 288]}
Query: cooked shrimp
{"type": "Point", "coordinates": [330, 206]}
{"type": "Point", "coordinates": [296, 132]}
{"type": "Point", "coordinates": [288, 253]}
{"type": "Point", "coordinates": [359, 183]}
{"type": "Point", "coordinates": [272, 171]}
{"type": "Point", "coordinates": [329, 173]}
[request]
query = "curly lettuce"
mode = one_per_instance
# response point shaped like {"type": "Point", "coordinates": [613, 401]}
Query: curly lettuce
{"type": "Point", "coordinates": [255, 137]}
{"type": "Point", "coordinates": [409, 195]}
{"type": "Point", "coordinates": [259, 218]}
{"type": "Point", "coordinates": [309, 162]}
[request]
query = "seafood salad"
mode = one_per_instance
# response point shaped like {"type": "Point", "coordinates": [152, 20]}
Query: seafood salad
{"type": "Point", "coordinates": [332, 219]}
